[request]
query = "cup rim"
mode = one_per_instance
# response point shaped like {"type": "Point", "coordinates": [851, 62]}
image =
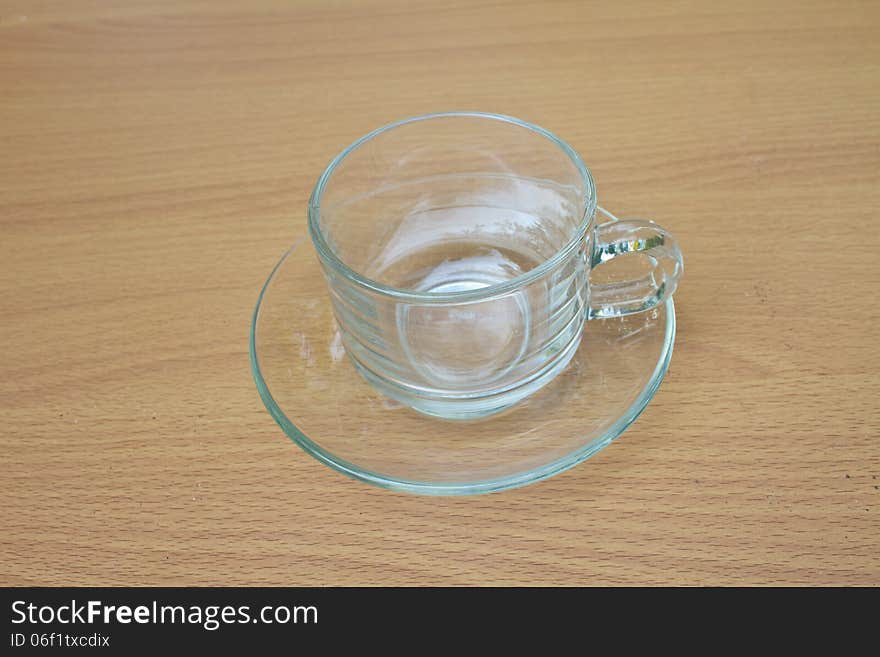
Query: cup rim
{"type": "Point", "coordinates": [329, 256]}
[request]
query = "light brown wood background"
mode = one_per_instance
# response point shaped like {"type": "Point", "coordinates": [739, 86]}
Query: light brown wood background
{"type": "Point", "coordinates": [155, 162]}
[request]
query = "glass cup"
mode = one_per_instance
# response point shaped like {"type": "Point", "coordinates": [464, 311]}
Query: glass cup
{"type": "Point", "coordinates": [458, 249]}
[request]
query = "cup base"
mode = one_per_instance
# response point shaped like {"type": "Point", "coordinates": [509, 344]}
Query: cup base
{"type": "Point", "coordinates": [472, 407]}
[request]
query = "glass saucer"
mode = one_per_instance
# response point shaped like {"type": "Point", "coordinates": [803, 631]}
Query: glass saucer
{"type": "Point", "coordinates": [323, 404]}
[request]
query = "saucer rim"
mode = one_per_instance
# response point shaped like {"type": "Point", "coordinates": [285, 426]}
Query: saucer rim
{"type": "Point", "coordinates": [507, 482]}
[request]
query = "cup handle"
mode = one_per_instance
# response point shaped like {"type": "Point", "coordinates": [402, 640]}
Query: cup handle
{"type": "Point", "coordinates": [618, 236]}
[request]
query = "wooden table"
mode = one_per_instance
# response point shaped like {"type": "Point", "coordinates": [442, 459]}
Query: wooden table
{"type": "Point", "coordinates": [157, 157]}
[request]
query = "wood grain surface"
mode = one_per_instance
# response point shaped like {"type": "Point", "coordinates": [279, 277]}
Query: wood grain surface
{"type": "Point", "coordinates": [157, 158]}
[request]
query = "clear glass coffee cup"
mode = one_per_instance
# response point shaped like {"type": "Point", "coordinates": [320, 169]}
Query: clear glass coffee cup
{"type": "Point", "coordinates": [458, 250]}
